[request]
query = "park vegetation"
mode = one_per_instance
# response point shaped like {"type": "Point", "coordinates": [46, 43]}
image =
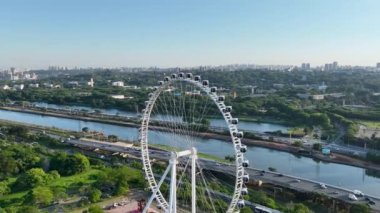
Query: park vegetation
{"type": "Point", "coordinates": [33, 177]}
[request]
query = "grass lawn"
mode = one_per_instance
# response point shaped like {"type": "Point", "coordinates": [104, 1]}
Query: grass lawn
{"type": "Point", "coordinates": [164, 147]}
{"type": "Point", "coordinates": [370, 124]}
{"type": "Point", "coordinates": [12, 200]}
{"type": "Point", "coordinates": [212, 157]}
{"type": "Point", "coordinates": [296, 131]}
{"type": "Point", "coordinates": [85, 178]}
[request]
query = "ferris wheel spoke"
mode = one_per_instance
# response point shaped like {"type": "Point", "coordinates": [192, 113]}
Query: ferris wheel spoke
{"type": "Point", "coordinates": [206, 187]}
{"type": "Point", "coordinates": [180, 105]}
{"type": "Point", "coordinates": [168, 122]}
{"type": "Point", "coordinates": [184, 172]}
{"type": "Point", "coordinates": [182, 125]}
{"type": "Point", "coordinates": [176, 130]}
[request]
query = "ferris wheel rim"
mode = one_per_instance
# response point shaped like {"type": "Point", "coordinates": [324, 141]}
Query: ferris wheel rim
{"type": "Point", "coordinates": [143, 137]}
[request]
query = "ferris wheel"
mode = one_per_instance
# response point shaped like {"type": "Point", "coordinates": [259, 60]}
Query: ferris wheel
{"type": "Point", "coordinates": [176, 118]}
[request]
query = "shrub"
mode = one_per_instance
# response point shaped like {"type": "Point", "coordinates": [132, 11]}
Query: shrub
{"type": "Point", "coordinates": [94, 195]}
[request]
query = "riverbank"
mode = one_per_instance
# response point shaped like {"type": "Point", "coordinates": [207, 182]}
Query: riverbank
{"type": "Point", "coordinates": [257, 119]}
{"type": "Point", "coordinates": [335, 158]}
{"type": "Point", "coordinates": [101, 119]}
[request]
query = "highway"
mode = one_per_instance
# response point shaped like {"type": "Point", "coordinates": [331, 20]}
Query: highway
{"type": "Point", "coordinates": [347, 149]}
{"type": "Point", "coordinates": [286, 181]}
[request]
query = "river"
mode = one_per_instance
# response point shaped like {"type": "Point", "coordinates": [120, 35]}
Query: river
{"type": "Point", "coordinates": [243, 125]}
{"type": "Point", "coordinates": [331, 173]}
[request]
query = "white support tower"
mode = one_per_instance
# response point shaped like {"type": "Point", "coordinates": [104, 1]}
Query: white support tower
{"type": "Point", "coordinates": [175, 157]}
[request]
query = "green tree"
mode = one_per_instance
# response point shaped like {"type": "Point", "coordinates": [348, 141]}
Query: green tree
{"type": "Point", "coordinates": [136, 165]}
{"type": "Point", "coordinates": [220, 205]}
{"type": "Point", "coordinates": [8, 164]}
{"type": "Point", "coordinates": [19, 131]}
{"type": "Point", "coordinates": [301, 208]}
{"type": "Point", "coordinates": [9, 209]}
{"type": "Point", "coordinates": [59, 193]}
{"type": "Point", "coordinates": [58, 163]}
{"type": "Point", "coordinates": [69, 164]}
{"type": "Point", "coordinates": [80, 163]}
{"type": "Point", "coordinates": [317, 146]}
{"type": "Point", "coordinates": [112, 138]}
{"type": "Point", "coordinates": [54, 174]}
{"type": "Point", "coordinates": [205, 121]}
{"type": "Point", "coordinates": [41, 195]}
{"type": "Point", "coordinates": [297, 143]}
{"type": "Point", "coordinates": [164, 188]}
{"type": "Point", "coordinates": [230, 158]}
{"type": "Point", "coordinates": [17, 158]}
{"type": "Point", "coordinates": [246, 209]}
{"type": "Point", "coordinates": [4, 188]}
{"type": "Point", "coordinates": [116, 181]}
{"type": "Point", "coordinates": [360, 208]}
{"type": "Point", "coordinates": [32, 178]}
{"type": "Point", "coordinates": [271, 203]}
{"type": "Point", "coordinates": [374, 157]}
{"type": "Point", "coordinates": [320, 119]}
{"type": "Point", "coordinates": [258, 197]}
{"type": "Point", "coordinates": [94, 195]}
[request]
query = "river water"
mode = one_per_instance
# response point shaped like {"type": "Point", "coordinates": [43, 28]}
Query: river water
{"type": "Point", "coordinates": [331, 173]}
{"type": "Point", "coordinates": [243, 125]}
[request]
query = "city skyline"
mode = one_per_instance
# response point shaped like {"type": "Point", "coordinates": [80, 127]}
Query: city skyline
{"type": "Point", "coordinates": [187, 34]}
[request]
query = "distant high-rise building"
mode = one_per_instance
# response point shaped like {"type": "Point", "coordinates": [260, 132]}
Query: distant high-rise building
{"type": "Point", "coordinates": [328, 67]}
{"type": "Point", "coordinates": [335, 65]}
{"type": "Point", "coordinates": [305, 66]}
{"type": "Point", "coordinates": [378, 65]}
{"type": "Point", "coordinates": [331, 67]}
{"type": "Point", "coordinates": [13, 74]}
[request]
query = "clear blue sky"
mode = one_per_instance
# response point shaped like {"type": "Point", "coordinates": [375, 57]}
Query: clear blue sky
{"type": "Point", "coordinates": [39, 33]}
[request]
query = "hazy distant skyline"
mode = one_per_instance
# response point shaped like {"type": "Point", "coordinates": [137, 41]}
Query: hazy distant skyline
{"type": "Point", "coordinates": [100, 33]}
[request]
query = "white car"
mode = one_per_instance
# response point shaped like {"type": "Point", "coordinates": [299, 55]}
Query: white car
{"type": "Point", "coordinates": [323, 186]}
{"type": "Point", "coordinates": [352, 197]}
{"type": "Point", "coordinates": [358, 193]}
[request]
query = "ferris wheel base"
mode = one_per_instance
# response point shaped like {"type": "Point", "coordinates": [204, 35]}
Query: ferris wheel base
{"type": "Point", "coordinates": [172, 208]}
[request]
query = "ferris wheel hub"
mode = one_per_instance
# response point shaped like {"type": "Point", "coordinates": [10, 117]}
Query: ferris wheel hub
{"type": "Point", "coordinates": [192, 151]}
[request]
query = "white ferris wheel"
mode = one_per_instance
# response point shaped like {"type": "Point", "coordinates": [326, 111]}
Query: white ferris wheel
{"type": "Point", "coordinates": [177, 111]}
